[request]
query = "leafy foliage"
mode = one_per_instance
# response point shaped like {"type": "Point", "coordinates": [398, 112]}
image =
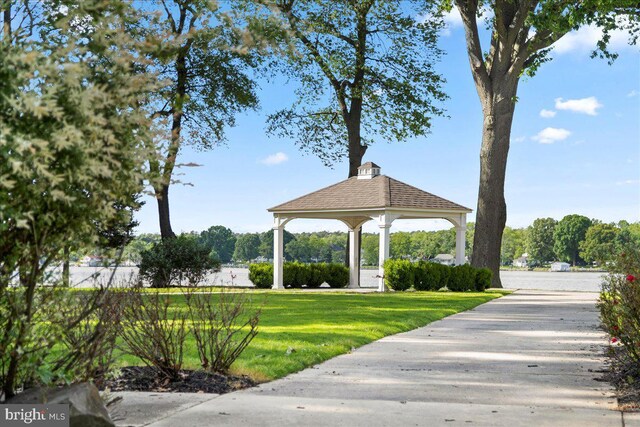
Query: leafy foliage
{"type": "Point", "coordinates": [398, 274]}
{"type": "Point", "coordinates": [599, 243]}
{"type": "Point", "coordinates": [171, 262]}
{"type": "Point", "coordinates": [569, 232]}
{"type": "Point", "coordinates": [619, 302]}
{"type": "Point", "coordinates": [539, 240]}
{"type": "Point", "coordinates": [337, 275]}
{"type": "Point", "coordinates": [191, 45]}
{"type": "Point", "coordinates": [365, 70]}
{"type": "Point", "coordinates": [247, 247]}
{"type": "Point", "coordinates": [261, 275]}
{"type": "Point", "coordinates": [220, 239]}
{"type": "Point", "coordinates": [73, 144]}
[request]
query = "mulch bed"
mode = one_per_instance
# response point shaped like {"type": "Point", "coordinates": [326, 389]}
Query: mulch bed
{"type": "Point", "coordinates": [624, 375]}
{"type": "Point", "coordinates": [143, 378]}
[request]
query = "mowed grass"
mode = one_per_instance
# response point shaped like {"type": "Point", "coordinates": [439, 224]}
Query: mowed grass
{"type": "Point", "coordinates": [300, 329]}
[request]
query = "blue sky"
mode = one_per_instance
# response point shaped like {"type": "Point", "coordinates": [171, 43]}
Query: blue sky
{"type": "Point", "coordinates": [575, 148]}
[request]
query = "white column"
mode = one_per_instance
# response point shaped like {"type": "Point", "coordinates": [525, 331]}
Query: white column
{"type": "Point", "coordinates": [354, 259]}
{"type": "Point", "coordinates": [383, 250]}
{"type": "Point", "coordinates": [461, 231]}
{"type": "Point", "coordinates": [278, 252]}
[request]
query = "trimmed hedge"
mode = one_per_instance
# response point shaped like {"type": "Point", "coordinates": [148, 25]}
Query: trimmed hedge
{"type": "Point", "coordinates": [297, 275]}
{"type": "Point", "coordinates": [337, 275]}
{"type": "Point", "coordinates": [261, 275]}
{"type": "Point", "coordinates": [401, 275]}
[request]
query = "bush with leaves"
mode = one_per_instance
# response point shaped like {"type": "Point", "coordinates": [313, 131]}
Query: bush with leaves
{"type": "Point", "coordinates": [317, 275]}
{"type": "Point", "coordinates": [73, 144]}
{"type": "Point", "coordinates": [261, 275]}
{"type": "Point", "coordinates": [399, 274]}
{"type": "Point", "coordinates": [483, 279]}
{"type": "Point", "coordinates": [223, 325]}
{"type": "Point", "coordinates": [462, 278]}
{"type": "Point", "coordinates": [619, 302]}
{"type": "Point", "coordinates": [337, 275]}
{"type": "Point", "coordinates": [428, 276]}
{"type": "Point", "coordinates": [172, 262]}
{"type": "Point", "coordinates": [154, 329]}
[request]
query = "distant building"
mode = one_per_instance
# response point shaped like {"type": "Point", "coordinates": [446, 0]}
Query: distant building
{"type": "Point", "coordinates": [560, 266]}
{"type": "Point", "coordinates": [522, 261]}
{"type": "Point", "coordinates": [445, 259]}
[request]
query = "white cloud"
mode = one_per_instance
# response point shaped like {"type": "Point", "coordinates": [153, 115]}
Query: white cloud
{"type": "Point", "coordinates": [519, 139]}
{"type": "Point", "coordinates": [585, 39]}
{"type": "Point", "coordinates": [629, 182]}
{"type": "Point", "coordinates": [633, 93]}
{"type": "Point", "coordinates": [584, 105]}
{"type": "Point", "coordinates": [547, 114]}
{"type": "Point", "coordinates": [275, 159]}
{"type": "Point", "coordinates": [551, 135]}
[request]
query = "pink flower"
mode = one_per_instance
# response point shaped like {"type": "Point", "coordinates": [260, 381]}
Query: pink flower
{"type": "Point", "coordinates": [614, 340]}
{"type": "Point", "coordinates": [615, 327]}
{"type": "Point", "coordinates": [631, 278]}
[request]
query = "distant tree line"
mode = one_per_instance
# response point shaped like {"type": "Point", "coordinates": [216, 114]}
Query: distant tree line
{"type": "Point", "coordinates": [575, 239]}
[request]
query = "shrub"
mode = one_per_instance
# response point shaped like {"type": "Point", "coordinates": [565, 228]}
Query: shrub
{"type": "Point", "coordinates": [483, 279]}
{"type": "Point", "coordinates": [429, 276]}
{"type": "Point", "coordinates": [462, 278]}
{"type": "Point", "coordinates": [337, 275]}
{"type": "Point", "coordinates": [421, 276]}
{"type": "Point", "coordinates": [317, 275]}
{"type": "Point", "coordinates": [398, 274]}
{"type": "Point", "coordinates": [89, 339]}
{"type": "Point", "coordinates": [441, 273]}
{"type": "Point", "coordinates": [154, 331]}
{"type": "Point", "coordinates": [619, 302]}
{"type": "Point", "coordinates": [291, 274]}
{"type": "Point", "coordinates": [223, 325]}
{"type": "Point", "coordinates": [261, 275]}
{"type": "Point", "coordinates": [171, 261]}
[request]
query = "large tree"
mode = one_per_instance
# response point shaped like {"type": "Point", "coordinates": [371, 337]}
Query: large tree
{"type": "Point", "coordinates": [221, 240]}
{"type": "Point", "coordinates": [567, 237]}
{"type": "Point", "coordinates": [599, 244]}
{"type": "Point", "coordinates": [521, 34]}
{"type": "Point", "coordinates": [193, 47]}
{"type": "Point", "coordinates": [365, 70]}
{"type": "Point", "coordinates": [72, 144]}
{"type": "Point", "coordinates": [540, 240]}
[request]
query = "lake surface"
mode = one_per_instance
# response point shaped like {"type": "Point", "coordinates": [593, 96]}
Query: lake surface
{"type": "Point", "coordinates": [557, 281]}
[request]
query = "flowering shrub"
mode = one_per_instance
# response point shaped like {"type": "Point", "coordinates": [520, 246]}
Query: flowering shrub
{"type": "Point", "coordinates": [619, 302]}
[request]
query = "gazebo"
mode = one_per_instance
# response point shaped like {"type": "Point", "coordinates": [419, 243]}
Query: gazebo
{"type": "Point", "coordinates": [354, 201]}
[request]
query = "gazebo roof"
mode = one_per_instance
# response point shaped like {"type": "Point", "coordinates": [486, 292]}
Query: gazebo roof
{"type": "Point", "coordinates": [378, 192]}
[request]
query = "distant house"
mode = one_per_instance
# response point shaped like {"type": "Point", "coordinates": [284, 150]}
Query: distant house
{"type": "Point", "coordinates": [445, 259]}
{"type": "Point", "coordinates": [560, 266]}
{"type": "Point", "coordinates": [522, 261]}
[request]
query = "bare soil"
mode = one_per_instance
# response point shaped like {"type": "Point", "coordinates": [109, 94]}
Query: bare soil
{"type": "Point", "coordinates": [143, 378]}
{"type": "Point", "coordinates": [624, 374]}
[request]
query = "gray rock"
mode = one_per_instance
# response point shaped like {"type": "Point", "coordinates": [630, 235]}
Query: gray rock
{"type": "Point", "coordinates": [86, 408]}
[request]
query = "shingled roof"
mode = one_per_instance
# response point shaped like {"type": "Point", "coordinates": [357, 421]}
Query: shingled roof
{"type": "Point", "coordinates": [379, 192]}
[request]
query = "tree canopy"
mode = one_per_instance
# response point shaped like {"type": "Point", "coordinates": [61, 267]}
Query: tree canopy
{"type": "Point", "coordinates": [365, 71]}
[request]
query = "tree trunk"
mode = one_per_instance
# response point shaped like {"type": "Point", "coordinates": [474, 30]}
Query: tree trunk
{"type": "Point", "coordinates": [65, 266]}
{"type": "Point", "coordinates": [356, 153]}
{"type": "Point", "coordinates": [162, 196]}
{"type": "Point", "coordinates": [491, 214]}
{"type": "Point", "coordinates": [6, 20]}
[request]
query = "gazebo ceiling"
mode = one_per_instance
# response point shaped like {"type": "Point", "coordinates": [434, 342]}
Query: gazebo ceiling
{"type": "Point", "coordinates": [377, 192]}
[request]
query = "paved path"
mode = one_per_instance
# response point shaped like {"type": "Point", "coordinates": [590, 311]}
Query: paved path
{"type": "Point", "coordinates": [528, 359]}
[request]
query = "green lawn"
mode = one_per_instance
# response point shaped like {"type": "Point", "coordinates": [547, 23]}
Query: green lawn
{"type": "Point", "coordinates": [319, 326]}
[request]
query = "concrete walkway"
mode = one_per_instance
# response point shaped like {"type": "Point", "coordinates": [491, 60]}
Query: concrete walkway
{"type": "Point", "coordinates": [528, 359]}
